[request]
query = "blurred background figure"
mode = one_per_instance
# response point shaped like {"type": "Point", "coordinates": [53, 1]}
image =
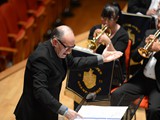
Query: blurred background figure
{"type": "Point", "coordinates": [144, 7]}
{"type": "Point", "coordinates": [146, 79]}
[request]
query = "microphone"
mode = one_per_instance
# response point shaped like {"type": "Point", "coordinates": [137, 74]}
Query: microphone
{"type": "Point", "coordinates": [88, 97]}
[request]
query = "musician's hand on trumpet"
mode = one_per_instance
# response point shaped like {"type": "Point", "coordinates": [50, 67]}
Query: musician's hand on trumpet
{"type": "Point", "coordinates": [104, 40]}
{"type": "Point", "coordinates": [155, 46]}
{"type": "Point", "coordinates": [102, 37]}
{"type": "Point", "coordinates": [94, 43]}
{"type": "Point", "coordinates": [150, 46]}
{"type": "Point", "coordinates": [148, 41]}
{"type": "Point", "coordinates": [151, 12]}
{"type": "Point", "coordinates": [109, 53]}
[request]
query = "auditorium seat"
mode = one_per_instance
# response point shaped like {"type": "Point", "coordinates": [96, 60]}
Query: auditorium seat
{"type": "Point", "coordinates": [144, 103]}
{"type": "Point", "coordinates": [15, 32]}
{"type": "Point", "coordinates": [8, 54]}
{"type": "Point", "coordinates": [26, 20]}
{"type": "Point", "coordinates": [39, 12]}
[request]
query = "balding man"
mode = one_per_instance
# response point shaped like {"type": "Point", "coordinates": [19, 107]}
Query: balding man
{"type": "Point", "coordinates": [45, 71]}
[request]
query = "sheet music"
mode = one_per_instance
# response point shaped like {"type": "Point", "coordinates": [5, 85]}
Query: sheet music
{"type": "Point", "coordinates": [91, 112]}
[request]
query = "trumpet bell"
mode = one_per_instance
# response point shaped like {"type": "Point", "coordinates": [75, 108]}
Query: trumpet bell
{"type": "Point", "coordinates": [144, 52]}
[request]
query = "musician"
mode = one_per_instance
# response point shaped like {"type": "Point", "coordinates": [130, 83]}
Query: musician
{"type": "Point", "coordinates": [146, 81]}
{"type": "Point", "coordinates": [144, 7]}
{"type": "Point", "coordinates": [110, 17]}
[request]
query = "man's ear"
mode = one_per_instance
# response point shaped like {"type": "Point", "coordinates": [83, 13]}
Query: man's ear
{"type": "Point", "coordinates": [54, 42]}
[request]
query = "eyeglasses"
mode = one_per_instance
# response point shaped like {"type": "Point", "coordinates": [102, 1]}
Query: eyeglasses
{"type": "Point", "coordinates": [67, 47]}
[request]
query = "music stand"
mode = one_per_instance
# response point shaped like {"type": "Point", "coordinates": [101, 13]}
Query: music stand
{"type": "Point", "coordinates": [97, 80]}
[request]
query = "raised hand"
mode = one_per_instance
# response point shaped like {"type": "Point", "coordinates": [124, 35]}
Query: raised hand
{"type": "Point", "coordinates": [109, 56]}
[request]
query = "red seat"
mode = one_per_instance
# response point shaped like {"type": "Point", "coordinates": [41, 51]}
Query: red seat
{"type": "Point", "coordinates": [8, 54]}
{"type": "Point", "coordinates": [144, 102]}
{"type": "Point", "coordinates": [127, 58]}
{"type": "Point", "coordinates": [16, 33]}
{"type": "Point", "coordinates": [27, 21]}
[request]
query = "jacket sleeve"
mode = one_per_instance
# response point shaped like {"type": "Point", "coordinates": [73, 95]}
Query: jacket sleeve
{"type": "Point", "coordinates": [83, 62]}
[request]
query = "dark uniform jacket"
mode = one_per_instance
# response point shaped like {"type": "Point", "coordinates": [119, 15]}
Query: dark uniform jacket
{"type": "Point", "coordinates": [43, 78]}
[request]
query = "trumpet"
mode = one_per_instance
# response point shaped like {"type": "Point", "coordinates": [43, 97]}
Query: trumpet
{"type": "Point", "coordinates": [144, 52]}
{"type": "Point", "coordinates": [92, 43]}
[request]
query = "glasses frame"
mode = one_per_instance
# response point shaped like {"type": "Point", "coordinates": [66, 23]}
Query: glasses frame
{"type": "Point", "coordinates": [67, 47]}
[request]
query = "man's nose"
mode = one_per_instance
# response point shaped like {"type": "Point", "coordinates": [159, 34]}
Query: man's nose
{"type": "Point", "coordinates": [69, 50]}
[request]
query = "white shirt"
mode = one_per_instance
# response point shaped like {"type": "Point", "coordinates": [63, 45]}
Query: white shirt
{"type": "Point", "coordinates": [149, 70]}
{"type": "Point", "coordinates": [154, 5]}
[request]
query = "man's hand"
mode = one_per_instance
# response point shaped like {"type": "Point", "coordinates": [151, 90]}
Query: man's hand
{"type": "Point", "coordinates": [155, 45]}
{"type": "Point", "coordinates": [71, 115]}
{"type": "Point", "coordinates": [151, 12]}
{"type": "Point", "coordinates": [149, 38]}
{"type": "Point", "coordinates": [109, 56]}
{"type": "Point", "coordinates": [103, 39]}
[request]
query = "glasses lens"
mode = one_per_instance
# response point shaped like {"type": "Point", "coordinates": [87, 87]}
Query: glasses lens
{"type": "Point", "coordinates": [68, 47]}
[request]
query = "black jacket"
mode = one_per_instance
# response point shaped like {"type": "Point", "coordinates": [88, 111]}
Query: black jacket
{"type": "Point", "coordinates": [43, 78]}
{"type": "Point", "coordinates": [136, 57]}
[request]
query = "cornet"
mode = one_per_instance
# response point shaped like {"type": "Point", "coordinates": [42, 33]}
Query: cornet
{"type": "Point", "coordinates": [92, 43]}
{"type": "Point", "coordinates": [144, 52]}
